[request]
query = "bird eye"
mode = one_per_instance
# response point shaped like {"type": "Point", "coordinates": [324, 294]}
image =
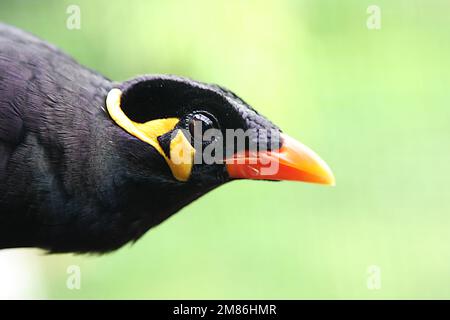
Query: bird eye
{"type": "Point", "coordinates": [200, 122]}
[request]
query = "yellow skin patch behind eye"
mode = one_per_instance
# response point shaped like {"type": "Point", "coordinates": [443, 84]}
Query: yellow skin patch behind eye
{"type": "Point", "coordinates": [181, 151]}
{"type": "Point", "coordinates": [181, 155]}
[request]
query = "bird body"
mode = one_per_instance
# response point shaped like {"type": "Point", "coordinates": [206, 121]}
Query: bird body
{"type": "Point", "coordinates": [72, 179]}
{"type": "Point", "coordinates": [50, 108]}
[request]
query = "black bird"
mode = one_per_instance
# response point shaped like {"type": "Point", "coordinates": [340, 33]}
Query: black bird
{"type": "Point", "coordinates": [88, 164]}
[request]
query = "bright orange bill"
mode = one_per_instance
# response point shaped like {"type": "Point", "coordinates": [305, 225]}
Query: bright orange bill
{"type": "Point", "coordinates": [293, 161]}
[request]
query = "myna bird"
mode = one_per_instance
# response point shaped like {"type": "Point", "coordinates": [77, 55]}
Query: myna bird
{"type": "Point", "coordinates": [88, 165]}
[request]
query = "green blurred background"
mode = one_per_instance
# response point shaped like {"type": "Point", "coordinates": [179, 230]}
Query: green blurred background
{"type": "Point", "coordinates": [373, 103]}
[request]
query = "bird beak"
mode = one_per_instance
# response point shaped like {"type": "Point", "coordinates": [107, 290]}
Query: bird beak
{"type": "Point", "coordinates": [293, 161]}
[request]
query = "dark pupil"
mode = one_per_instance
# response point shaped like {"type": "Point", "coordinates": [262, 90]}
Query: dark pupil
{"type": "Point", "coordinates": [199, 124]}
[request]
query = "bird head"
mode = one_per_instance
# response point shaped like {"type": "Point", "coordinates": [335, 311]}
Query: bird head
{"type": "Point", "coordinates": [206, 135]}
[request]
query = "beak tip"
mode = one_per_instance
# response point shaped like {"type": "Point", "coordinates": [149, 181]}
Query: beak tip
{"type": "Point", "coordinates": [326, 178]}
{"type": "Point", "coordinates": [330, 180]}
{"type": "Point", "coordinates": [327, 175]}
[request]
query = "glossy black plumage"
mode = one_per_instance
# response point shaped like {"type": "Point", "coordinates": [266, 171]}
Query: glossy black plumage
{"type": "Point", "coordinates": [70, 178]}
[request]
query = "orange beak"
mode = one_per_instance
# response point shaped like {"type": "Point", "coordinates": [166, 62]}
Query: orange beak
{"type": "Point", "coordinates": [293, 161]}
